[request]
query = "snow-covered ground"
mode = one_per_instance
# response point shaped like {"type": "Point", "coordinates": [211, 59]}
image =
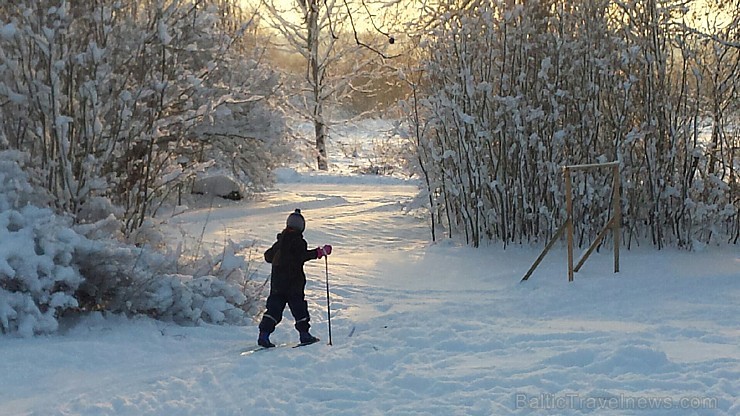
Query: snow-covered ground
{"type": "Point", "coordinates": [418, 328]}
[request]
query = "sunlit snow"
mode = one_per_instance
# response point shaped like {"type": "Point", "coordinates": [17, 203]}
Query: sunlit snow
{"type": "Point", "coordinates": [418, 328]}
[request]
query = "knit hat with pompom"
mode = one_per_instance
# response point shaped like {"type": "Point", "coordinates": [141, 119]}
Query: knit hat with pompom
{"type": "Point", "coordinates": [296, 221]}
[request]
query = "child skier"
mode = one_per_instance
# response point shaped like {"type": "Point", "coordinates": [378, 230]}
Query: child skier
{"type": "Point", "coordinates": [288, 280]}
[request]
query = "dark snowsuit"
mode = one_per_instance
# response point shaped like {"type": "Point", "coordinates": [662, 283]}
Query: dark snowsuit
{"type": "Point", "coordinates": [288, 280]}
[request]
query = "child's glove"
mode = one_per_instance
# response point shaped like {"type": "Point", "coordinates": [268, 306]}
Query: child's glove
{"type": "Point", "coordinates": [323, 251]}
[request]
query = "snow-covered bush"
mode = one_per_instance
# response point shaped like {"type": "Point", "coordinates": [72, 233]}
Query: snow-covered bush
{"type": "Point", "coordinates": [50, 267]}
{"type": "Point", "coordinates": [245, 141]}
{"type": "Point", "coordinates": [129, 100]}
{"type": "Point", "coordinates": [112, 107]}
{"type": "Point", "coordinates": [183, 299]}
{"type": "Point", "coordinates": [507, 93]}
{"type": "Point", "coordinates": [38, 278]}
{"type": "Point", "coordinates": [133, 280]}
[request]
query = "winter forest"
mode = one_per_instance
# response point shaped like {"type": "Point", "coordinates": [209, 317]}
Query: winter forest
{"type": "Point", "coordinates": [112, 111]}
{"type": "Point", "coordinates": [509, 93]}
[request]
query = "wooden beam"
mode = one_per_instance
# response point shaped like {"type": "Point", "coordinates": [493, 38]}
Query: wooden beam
{"type": "Point", "coordinates": [569, 220]}
{"type": "Point", "coordinates": [613, 224]}
{"type": "Point", "coordinates": [617, 217]}
{"type": "Point", "coordinates": [549, 245]}
{"type": "Point", "coordinates": [602, 234]}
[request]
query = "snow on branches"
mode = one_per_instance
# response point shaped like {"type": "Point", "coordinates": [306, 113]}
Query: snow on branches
{"type": "Point", "coordinates": [126, 99]}
{"type": "Point", "coordinates": [510, 93]}
{"type": "Point", "coordinates": [50, 268]}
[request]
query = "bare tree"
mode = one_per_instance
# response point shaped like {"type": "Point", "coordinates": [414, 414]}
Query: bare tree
{"type": "Point", "coordinates": [325, 35]}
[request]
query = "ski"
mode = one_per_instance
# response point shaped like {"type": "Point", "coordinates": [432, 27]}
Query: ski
{"type": "Point", "coordinates": [277, 346]}
{"type": "Point", "coordinates": [259, 348]}
{"type": "Point", "coordinates": [303, 344]}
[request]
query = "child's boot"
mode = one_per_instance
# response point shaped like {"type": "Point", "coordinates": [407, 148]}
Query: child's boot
{"type": "Point", "coordinates": [307, 338]}
{"type": "Point", "coordinates": [264, 340]}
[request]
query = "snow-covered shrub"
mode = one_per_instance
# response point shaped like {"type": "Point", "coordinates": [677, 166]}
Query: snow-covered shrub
{"type": "Point", "coordinates": [97, 208]}
{"type": "Point", "coordinates": [184, 299]}
{"type": "Point", "coordinates": [245, 142]}
{"type": "Point", "coordinates": [168, 285]}
{"type": "Point", "coordinates": [229, 267]}
{"type": "Point", "coordinates": [50, 266]}
{"type": "Point", "coordinates": [189, 288]}
{"type": "Point", "coordinates": [16, 188]}
{"type": "Point", "coordinates": [125, 101]}
{"type": "Point", "coordinates": [524, 89]}
{"type": "Point", "coordinates": [38, 277]}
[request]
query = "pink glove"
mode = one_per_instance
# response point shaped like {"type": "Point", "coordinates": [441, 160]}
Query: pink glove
{"type": "Point", "coordinates": [323, 251]}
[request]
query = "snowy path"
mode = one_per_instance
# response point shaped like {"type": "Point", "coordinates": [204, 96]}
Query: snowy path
{"type": "Point", "coordinates": [418, 329]}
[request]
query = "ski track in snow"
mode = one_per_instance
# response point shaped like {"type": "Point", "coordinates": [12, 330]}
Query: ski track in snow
{"type": "Point", "coordinates": [417, 329]}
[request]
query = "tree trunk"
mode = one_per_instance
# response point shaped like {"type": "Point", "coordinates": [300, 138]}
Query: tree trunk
{"type": "Point", "coordinates": [315, 74]}
{"type": "Point", "coordinates": [320, 129]}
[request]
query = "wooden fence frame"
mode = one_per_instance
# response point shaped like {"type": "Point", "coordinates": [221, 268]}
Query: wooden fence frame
{"type": "Point", "coordinates": [614, 223]}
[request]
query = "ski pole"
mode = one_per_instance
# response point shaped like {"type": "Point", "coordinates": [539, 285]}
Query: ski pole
{"type": "Point", "coordinates": [328, 301]}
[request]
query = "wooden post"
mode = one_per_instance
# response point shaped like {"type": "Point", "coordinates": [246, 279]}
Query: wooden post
{"type": "Point", "coordinates": [549, 245]}
{"type": "Point", "coordinates": [617, 217]}
{"type": "Point", "coordinates": [569, 220]}
{"type": "Point", "coordinates": [614, 223]}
